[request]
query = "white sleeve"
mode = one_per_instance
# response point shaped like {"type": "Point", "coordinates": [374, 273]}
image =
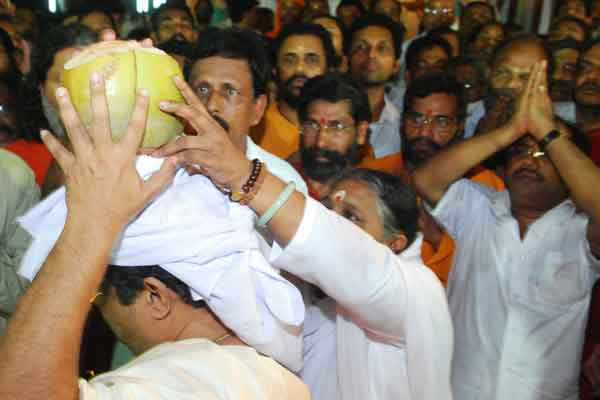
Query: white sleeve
{"type": "Point", "coordinates": [362, 275]}
{"type": "Point", "coordinates": [460, 205]}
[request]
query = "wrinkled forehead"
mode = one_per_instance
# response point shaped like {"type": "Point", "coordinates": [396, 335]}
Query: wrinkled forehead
{"type": "Point", "coordinates": [520, 56]}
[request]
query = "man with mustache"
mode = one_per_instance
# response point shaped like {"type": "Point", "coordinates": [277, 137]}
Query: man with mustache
{"type": "Point", "coordinates": [509, 69]}
{"type": "Point", "coordinates": [374, 52]}
{"type": "Point", "coordinates": [526, 258]}
{"type": "Point", "coordinates": [334, 115]}
{"type": "Point", "coordinates": [565, 54]}
{"type": "Point", "coordinates": [173, 20]}
{"type": "Point", "coordinates": [302, 51]}
{"type": "Point", "coordinates": [334, 118]}
{"type": "Point", "coordinates": [587, 95]}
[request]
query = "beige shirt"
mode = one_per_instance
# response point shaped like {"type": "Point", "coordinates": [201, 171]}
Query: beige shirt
{"type": "Point", "coordinates": [197, 369]}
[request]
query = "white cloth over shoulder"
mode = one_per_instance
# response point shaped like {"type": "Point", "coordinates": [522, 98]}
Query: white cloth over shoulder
{"type": "Point", "coordinates": [389, 335]}
{"type": "Point", "coordinates": [196, 369]}
{"type": "Point", "coordinates": [193, 231]}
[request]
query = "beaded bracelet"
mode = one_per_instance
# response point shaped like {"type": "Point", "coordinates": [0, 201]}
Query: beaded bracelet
{"type": "Point", "coordinates": [247, 187]}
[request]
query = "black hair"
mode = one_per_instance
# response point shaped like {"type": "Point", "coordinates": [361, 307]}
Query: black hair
{"type": "Point", "coordinates": [477, 65]}
{"type": "Point", "coordinates": [139, 33]}
{"type": "Point", "coordinates": [208, 12]}
{"type": "Point", "coordinates": [396, 29]}
{"type": "Point", "coordinates": [337, 21]}
{"type": "Point", "coordinates": [7, 43]}
{"type": "Point", "coordinates": [178, 47]}
{"type": "Point", "coordinates": [433, 83]}
{"type": "Point", "coordinates": [567, 43]}
{"type": "Point", "coordinates": [299, 29]}
{"type": "Point", "coordinates": [237, 8]}
{"type": "Point", "coordinates": [261, 19]}
{"type": "Point", "coordinates": [575, 20]}
{"type": "Point", "coordinates": [17, 92]}
{"type": "Point", "coordinates": [479, 3]}
{"type": "Point", "coordinates": [236, 44]}
{"type": "Point", "coordinates": [55, 40]}
{"type": "Point", "coordinates": [355, 3]}
{"type": "Point", "coordinates": [93, 7]}
{"type": "Point", "coordinates": [375, 2]}
{"type": "Point", "coordinates": [157, 15]}
{"type": "Point", "coordinates": [335, 87]}
{"type": "Point", "coordinates": [524, 38]}
{"type": "Point", "coordinates": [423, 43]}
{"type": "Point", "coordinates": [480, 28]}
{"type": "Point", "coordinates": [129, 283]}
{"type": "Point", "coordinates": [396, 200]}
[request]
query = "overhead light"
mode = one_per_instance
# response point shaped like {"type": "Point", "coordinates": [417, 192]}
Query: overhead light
{"type": "Point", "coordinates": [52, 6]}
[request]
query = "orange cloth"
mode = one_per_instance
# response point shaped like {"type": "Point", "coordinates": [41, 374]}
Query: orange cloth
{"type": "Point", "coordinates": [35, 154]}
{"type": "Point", "coordinates": [391, 164]}
{"type": "Point", "coordinates": [276, 134]}
{"type": "Point", "coordinates": [440, 260]}
{"type": "Point", "coordinates": [486, 177]}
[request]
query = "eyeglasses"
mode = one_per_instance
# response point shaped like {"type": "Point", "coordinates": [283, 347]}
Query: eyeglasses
{"type": "Point", "coordinates": [522, 151]}
{"type": "Point", "coordinates": [436, 11]}
{"type": "Point", "coordinates": [335, 129]}
{"type": "Point", "coordinates": [439, 123]}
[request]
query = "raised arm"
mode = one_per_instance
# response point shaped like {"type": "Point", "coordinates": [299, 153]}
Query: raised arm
{"type": "Point", "coordinates": [579, 173]}
{"type": "Point", "coordinates": [40, 352]}
{"type": "Point", "coordinates": [433, 179]}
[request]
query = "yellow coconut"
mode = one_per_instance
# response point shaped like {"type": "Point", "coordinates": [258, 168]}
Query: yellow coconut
{"type": "Point", "coordinates": [126, 67]}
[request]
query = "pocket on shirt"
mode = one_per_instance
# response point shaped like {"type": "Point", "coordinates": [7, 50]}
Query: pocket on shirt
{"type": "Point", "coordinates": [561, 282]}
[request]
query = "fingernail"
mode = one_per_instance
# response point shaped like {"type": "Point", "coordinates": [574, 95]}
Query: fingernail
{"type": "Point", "coordinates": [144, 92]}
{"type": "Point", "coordinates": [61, 92]}
{"type": "Point", "coordinates": [164, 105]}
{"type": "Point", "coordinates": [177, 78]}
{"type": "Point", "coordinates": [44, 133]}
{"type": "Point", "coordinates": [95, 77]}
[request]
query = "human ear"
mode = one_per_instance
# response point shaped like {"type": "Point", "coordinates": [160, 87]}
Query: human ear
{"type": "Point", "coordinates": [397, 242]}
{"type": "Point", "coordinates": [158, 298]}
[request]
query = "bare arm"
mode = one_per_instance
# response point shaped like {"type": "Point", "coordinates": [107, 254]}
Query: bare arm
{"type": "Point", "coordinates": [579, 173]}
{"type": "Point", "coordinates": [213, 153]}
{"type": "Point", "coordinates": [40, 352]}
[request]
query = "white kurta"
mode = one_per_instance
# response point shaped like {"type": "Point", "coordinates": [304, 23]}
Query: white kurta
{"type": "Point", "coordinates": [519, 306]}
{"type": "Point", "coordinates": [196, 369]}
{"type": "Point", "coordinates": [389, 336]}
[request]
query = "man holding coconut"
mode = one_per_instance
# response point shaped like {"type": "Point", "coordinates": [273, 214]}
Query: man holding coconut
{"type": "Point", "coordinates": [243, 300]}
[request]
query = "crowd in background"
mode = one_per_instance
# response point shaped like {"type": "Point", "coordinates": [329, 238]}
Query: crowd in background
{"type": "Point", "coordinates": [430, 93]}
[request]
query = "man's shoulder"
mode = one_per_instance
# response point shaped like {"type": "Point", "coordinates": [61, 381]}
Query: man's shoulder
{"type": "Point", "coordinates": [193, 368]}
{"type": "Point", "coordinates": [277, 166]}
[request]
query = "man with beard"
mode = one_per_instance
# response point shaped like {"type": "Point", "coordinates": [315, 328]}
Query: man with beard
{"type": "Point", "coordinates": [587, 95]}
{"type": "Point", "coordinates": [173, 20]}
{"type": "Point", "coordinates": [474, 15]}
{"type": "Point", "coordinates": [54, 50]}
{"type": "Point", "coordinates": [302, 51]}
{"type": "Point", "coordinates": [334, 118]}
{"type": "Point", "coordinates": [374, 49]}
{"type": "Point", "coordinates": [526, 258]}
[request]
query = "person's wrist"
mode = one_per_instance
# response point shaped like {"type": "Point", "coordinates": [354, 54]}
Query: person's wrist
{"type": "Point", "coordinates": [238, 180]}
{"type": "Point", "coordinates": [539, 133]}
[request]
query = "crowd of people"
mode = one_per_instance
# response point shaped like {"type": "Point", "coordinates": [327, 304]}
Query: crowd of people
{"type": "Point", "coordinates": [385, 200]}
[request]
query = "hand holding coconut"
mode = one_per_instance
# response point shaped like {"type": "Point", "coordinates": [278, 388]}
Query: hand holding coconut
{"type": "Point", "coordinates": [211, 151]}
{"type": "Point", "coordinates": [102, 182]}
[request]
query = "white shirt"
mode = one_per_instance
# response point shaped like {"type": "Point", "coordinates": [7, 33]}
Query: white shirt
{"type": "Point", "coordinates": [278, 167]}
{"type": "Point", "coordinates": [519, 306]}
{"type": "Point", "coordinates": [389, 336]}
{"type": "Point", "coordinates": [196, 369]}
{"type": "Point", "coordinates": [385, 133]}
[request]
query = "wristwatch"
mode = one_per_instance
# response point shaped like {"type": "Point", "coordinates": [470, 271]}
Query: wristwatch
{"type": "Point", "coordinates": [550, 136]}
